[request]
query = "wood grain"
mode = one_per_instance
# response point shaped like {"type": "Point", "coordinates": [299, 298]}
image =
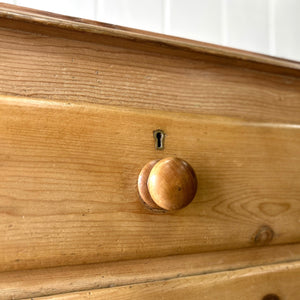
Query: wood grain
{"type": "Point", "coordinates": [63, 59]}
{"type": "Point", "coordinates": [69, 174]}
{"type": "Point", "coordinates": [93, 31]}
{"type": "Point", "coordinates": [253, 283]}
{"type": "Point", "coordinates": [50, 281]}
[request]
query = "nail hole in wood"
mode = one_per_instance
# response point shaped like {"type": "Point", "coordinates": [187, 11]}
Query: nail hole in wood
{"type": "Point", "coordinates": [159, 137]}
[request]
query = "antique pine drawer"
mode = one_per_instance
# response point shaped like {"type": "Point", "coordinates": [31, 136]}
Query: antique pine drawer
{"type": "Point", "coordinates": [86, 106]}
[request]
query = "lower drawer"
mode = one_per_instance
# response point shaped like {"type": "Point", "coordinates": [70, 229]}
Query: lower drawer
{"type": "Point", "coordinates": [273, 282]}
{"type": "Point", "coordinates": [68, 188]}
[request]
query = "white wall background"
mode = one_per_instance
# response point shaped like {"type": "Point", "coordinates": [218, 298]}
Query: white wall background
{"type": "Point", "coordinates": [264, 26]}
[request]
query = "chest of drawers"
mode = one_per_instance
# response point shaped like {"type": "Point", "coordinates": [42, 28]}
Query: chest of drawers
{"type": "Point", "coordinates": [80, 105]}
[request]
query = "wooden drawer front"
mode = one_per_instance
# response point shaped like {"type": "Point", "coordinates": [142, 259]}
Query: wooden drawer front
{"type": "Point", "coordinates": [274, 282]}
{"type": "Point", "coordinates": [69, 173]}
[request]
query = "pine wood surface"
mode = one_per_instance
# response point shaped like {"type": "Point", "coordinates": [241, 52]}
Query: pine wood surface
{"type": "Point", "coordinates": [40, 21]}
{"type": "Point", "coordinates": [69, 184]}
{"type": "Point", "coordinates": [51, 57]}
{"type": "Point", "coordinates": [255, 283]}
{"type": "Point", "coordinates": [59, 280]}
{"type": "Point", "coordinates": [69, 163]}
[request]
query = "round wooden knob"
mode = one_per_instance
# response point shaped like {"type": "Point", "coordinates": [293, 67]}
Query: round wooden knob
{"type": "Point", "coordinates": [167, 184]}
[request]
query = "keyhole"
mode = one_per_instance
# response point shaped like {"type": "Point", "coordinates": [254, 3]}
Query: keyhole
{"type": "Point", "coordinates": [159, 136]}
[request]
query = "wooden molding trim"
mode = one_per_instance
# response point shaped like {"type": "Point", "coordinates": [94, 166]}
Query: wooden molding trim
{"type": "Point", "coordinates": [58, 58]}
{"type": "Point", "coordinates": [36, 20]}
{"type": "Point", "coordinates": [59, 280]}
{"type": "Point", "coordinates": [264, 282]}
